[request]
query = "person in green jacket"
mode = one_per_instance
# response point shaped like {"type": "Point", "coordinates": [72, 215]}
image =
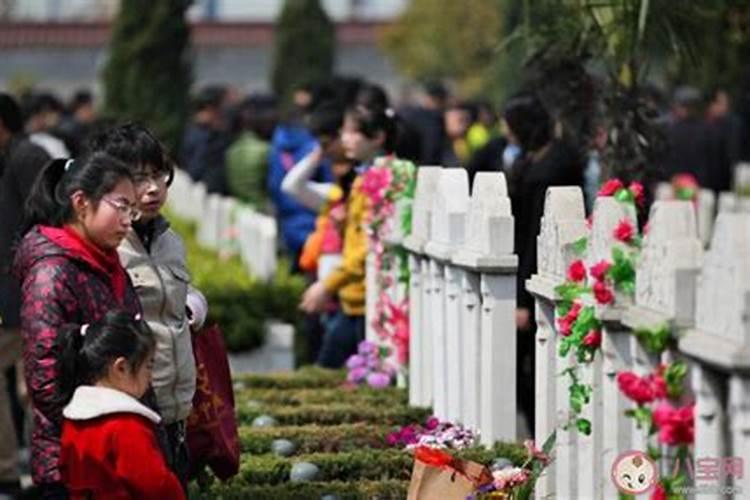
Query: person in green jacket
{"type": "Point", "coordinates": [247, 158]}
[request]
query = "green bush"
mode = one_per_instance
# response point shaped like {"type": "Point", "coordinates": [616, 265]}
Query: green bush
{"type": "Point", "coordinates": [377, 490]}
{"type": "Point", "coordinates": [305, 377]}
{"type": "Point", "coordinates": [332, 414]}
{"type": "Point", "coordinates": [350, 466]}
{"type": "Point", "coordinates": [300, 397]}
{"type": "Point", "coordinates": [315, 438]}
{"type": "Point", "coordinates": [238, 303]}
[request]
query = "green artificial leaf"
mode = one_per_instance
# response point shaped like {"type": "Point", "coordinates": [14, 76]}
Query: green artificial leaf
{"type": "Point", "coordinates": [624, 195]}
{"type": "Point", "coordinates": [654, 340]}
{"type": "Point", "coordinates": [654, 453]}
{"type": "Point", "coordinates": [674, 376]}
{"type": "Point", "coordinates": [579, 246]}
{"type": "Point", "coordinates": [569, 291]}
{"type": "Point", "coordinates": [583, 426]}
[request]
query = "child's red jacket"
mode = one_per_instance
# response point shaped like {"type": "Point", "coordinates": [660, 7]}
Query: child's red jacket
{"type": "Point", "coordinates": [109, 449]}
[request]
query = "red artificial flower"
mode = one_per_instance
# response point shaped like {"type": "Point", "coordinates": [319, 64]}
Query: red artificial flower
{"type": "Point", "coordinates": [676, 425]}
{"type": "Point", "coordinates": [624, 231]}
{"type": "Point", "coordinates": [646, 227]}
{"type": "Point", "coordinates": [659, 386]}
{"type": "Point", "coordinates": [610, 187]}
{"type": "Point", "coordinates": [636, 189]}
{"type": "Point", "coordinates": [603, 294]}
{"type": "Point", "coordinates": [564, 325]}
{"type": "Point", "coordinates": [642, 389]}
{"type": "Point", "coordinates": [593, 339]}
{"type": "Point", "coordinates": [659, 493]}
{"type": "Point", "coordinates": [575, 309]}
{"type": "Point", "coordinates": [577, 271]}
{"type": "Point", "coordinates": [599, 270]}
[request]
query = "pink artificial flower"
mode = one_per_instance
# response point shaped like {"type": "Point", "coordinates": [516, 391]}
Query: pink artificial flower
{"type": "Point", "coordinates": [610, 187]}
{"type": "Point", "coordinates": [378, 380]}
{"type": "Point", "coordinates": [577, 271]}
{"type": "Point", "coordinates": [536, 453]}
{"type": "Point", "coordinates": [599, 270]}
{"type": "Point", "coordinates": [636, 188]}
{"type": "Point", "coordinates": [392, 438]}
{"type": "Point", "coordinates": [356, 375]}
{"type": "Point", "coordinates": [676, 425]}
{"type": "Point", "coordinates": [593, 339]}
{"type": "Point", "coordinates": [575, 310]}
{"type": "Point", "coordinates": [375, 182]}
{"type": "Point", "coordinates": [624, 231]}
{"type": "Point", "coordinates": [510, 477]}
{"type": "Point", "coordinates": [603, 294]}
{"type": "Point", "coordinates": [355, 361]}
{"type": "Point", "coordinates": [432, 424]}
{"type": "Point", "coordinates": [589, 222]}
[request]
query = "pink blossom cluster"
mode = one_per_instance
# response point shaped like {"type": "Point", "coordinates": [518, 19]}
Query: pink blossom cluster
{"type": "Point", "coordinates": [434, 434]}
{"type": "Point", "coordinates": [369, 366]}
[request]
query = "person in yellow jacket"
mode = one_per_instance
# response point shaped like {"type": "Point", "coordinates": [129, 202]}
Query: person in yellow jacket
{"type": "Point", "coordinates": [365, 135]}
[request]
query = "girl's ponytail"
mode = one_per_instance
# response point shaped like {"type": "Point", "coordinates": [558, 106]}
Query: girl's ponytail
{"type": "Point", "coordinates": [43, 205]}
{"type": "Point", "coordinates": [69, 362]}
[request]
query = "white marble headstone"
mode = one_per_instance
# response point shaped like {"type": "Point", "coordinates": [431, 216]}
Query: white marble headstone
{"type": "Point", "coordinates": [450, 204]}
{"type": "Point", "coordinates": [670, 247]}
{"type": "Point", "coordinates": [489, 237]}
{"type": "Point", "coordinates": [427, 180]}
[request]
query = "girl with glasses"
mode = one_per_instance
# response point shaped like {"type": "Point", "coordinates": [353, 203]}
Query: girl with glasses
{"type": "Point", "coordinates": [76, 217]}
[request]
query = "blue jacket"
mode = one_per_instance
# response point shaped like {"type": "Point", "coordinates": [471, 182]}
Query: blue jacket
{"type": "Point", "coordinates": [290, 143]}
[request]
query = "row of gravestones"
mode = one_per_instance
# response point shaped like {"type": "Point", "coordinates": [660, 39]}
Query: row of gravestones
{"type": "Point", "coordinates": [463, 337]}
{"type": "Point", "coordinates": [226, 225]}
{"type": "Point", "coordinates": [702, 295]}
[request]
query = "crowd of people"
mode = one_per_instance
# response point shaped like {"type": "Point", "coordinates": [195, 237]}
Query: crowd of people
{"type": "Point", "coordinates": [94, 289]}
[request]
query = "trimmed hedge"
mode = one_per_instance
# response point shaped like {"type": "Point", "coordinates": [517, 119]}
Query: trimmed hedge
{"type": "Point", "coordinates": [299, 397]}
{"type": "Point", "coordinates": [310, 377]}
{"type": "Point", "coordinates": [360, 464]}
{"type": "Point", "coordinates": [315, 438]}
{"type": "Point", "coordinates": [382, 490]}
{"type": "Point", "coordinates": [238, 303]}
{"type": "Point", "coordinates": [333, 414]}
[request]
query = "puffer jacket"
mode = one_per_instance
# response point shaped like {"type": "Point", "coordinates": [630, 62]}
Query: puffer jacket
{"type": "Point", "coordinates": [58, 289]}
{"type": "Point", "coordinates": [159, 274]}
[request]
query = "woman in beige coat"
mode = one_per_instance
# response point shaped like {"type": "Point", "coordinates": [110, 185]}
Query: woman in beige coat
{"type": "Point", "coordinates": [154, 257]}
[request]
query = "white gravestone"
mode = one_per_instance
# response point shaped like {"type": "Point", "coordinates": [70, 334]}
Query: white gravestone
{"type": "Point", "coordinates": [563, 223]}
{"type": "Point", "coordinates": [448, 229]}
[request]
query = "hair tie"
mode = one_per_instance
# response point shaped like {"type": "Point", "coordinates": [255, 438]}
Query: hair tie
{"type": "Point", "coordinates": [84, 329]}
{"type": "Point", "coordinates": [68, 164]}
{"type": "Point", "coordinates": [138, 316]}
{"type": "Point", "coordinates": [390, 113]}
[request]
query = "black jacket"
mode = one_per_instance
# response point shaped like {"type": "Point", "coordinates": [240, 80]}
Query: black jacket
{"type": "Point", "coordinates": [528, 183]}
{"type": "Point", "coordinates": [19, 165]}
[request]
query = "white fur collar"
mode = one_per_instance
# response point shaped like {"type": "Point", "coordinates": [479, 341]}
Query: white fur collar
{"type": "Point", "coordinates": [91, 402]}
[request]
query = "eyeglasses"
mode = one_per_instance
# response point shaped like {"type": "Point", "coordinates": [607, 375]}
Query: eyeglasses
{"type": "Point", "coordinates": [159, 179]}
{"type": "Point", "coordinates": [125, 210]}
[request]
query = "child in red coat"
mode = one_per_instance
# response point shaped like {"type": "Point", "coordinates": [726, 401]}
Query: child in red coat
{"type": "Point", "coordinates": [108, 447]}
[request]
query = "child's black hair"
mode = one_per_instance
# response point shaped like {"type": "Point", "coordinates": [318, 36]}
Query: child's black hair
{"type": "Point", "coordinates": [529, 121]}
{"type": "Point", "coordinates": [136, 147]}
{"type": "Point", "coordinates": [87, 352]}
{"type": "Point", "coordinates": [371, 121]}
{"type": "Point", "coordinates": [50, 203]}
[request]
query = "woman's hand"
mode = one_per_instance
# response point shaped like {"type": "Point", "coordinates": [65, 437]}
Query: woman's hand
{"type": "Point", "coordinates": [314, 298]}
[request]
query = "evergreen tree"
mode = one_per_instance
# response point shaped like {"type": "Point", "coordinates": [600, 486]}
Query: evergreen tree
{"type": "Point", "coordinates": [147, 77]}
{"type": "Point", "coordinates": [305, 46]}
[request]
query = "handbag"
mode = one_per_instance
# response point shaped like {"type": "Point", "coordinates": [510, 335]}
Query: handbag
{"type": "Point", "coordinates": [211, 431]}
{"type": "Point", "coordinates": [439, 476]}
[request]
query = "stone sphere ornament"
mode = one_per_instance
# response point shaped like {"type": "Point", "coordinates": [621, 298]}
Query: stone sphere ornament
{"type": "Point", "coordinates": [283, 448]}
{"type": "Point", "coordinates": [303, 472]}
{"type": "Point", "coordinates": [264, 421]}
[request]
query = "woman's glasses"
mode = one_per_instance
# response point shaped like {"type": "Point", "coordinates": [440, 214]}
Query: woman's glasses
{"type": "Point", "coordinates": [160, 179]}
{"type": "Point", "coordinates": [124, 209]}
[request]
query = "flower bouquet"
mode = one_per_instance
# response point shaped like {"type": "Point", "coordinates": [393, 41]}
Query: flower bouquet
{"type": "Point", "coordinates": [435, 434]}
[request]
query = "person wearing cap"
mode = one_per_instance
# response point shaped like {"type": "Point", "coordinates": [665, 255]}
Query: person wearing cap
{"type": "Point", "coordinates": [20, 162]}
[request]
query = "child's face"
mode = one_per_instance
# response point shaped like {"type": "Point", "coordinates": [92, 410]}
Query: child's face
{"type": "Point", "coordinates": [356, 145]}
{"type": "Point", "coordinates": [133, 382]}
{"type": "Point", "coordinates": [151, 192]}
{"type": "Point", "coordinates": [105, 224]}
